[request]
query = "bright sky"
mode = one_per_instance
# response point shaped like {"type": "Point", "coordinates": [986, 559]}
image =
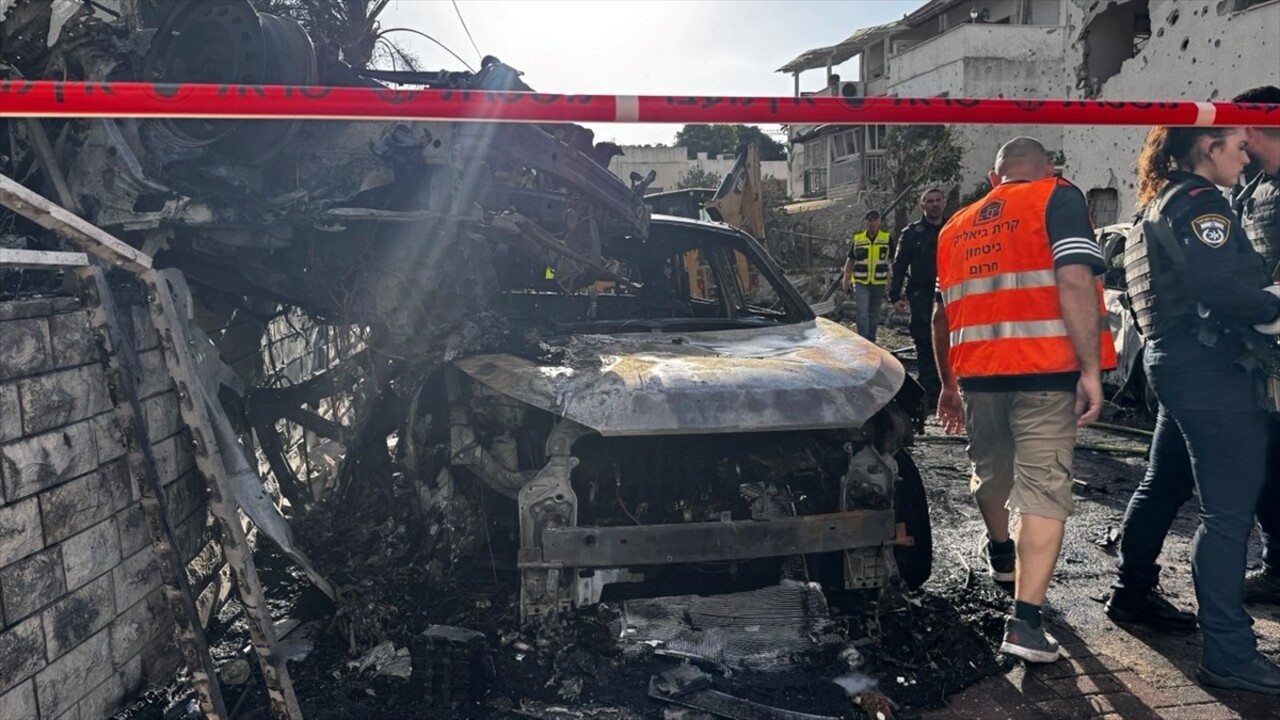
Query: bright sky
{"type": "Point", "coordinates": [695, 47]}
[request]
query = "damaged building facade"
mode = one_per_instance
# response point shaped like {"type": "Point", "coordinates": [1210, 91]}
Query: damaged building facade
{"type": "Point", "coordinates": [1037, 49]}
{"type": "Point", "coordinates": [1156, 49]}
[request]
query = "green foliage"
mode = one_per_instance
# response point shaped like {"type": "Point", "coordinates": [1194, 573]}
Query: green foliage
{"type": "Point", "coordinates": [773, 195]}
{"type": "Point", "coordinates": [717, 140]}
{"type": "Point", "coordinates": [978, 192]}
{"type": "Point", "coordinates": [917, 156]}
{"type": "Point", "coordinates": [696, 177]}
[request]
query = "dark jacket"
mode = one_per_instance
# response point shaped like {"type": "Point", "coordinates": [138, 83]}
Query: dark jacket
{"type": "Point", "coordinates": [918, 258]}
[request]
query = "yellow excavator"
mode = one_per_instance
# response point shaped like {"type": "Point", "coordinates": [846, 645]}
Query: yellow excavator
{"type": "Point", "coordinates": [737, 202]}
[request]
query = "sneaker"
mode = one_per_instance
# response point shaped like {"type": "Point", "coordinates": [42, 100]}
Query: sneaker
{"type": "Point", "coordinates": [1262, 587]}
{"type": "Point", "coordinates": [1001, 565]}
{"type": "Point", "coordinates": [1149, 609]}
{"type": "Point", "coordinates": [1034, 645]}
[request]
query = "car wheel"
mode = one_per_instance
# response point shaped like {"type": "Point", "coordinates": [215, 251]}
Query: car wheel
{"type": "Point", "coordinates": [911, 508]}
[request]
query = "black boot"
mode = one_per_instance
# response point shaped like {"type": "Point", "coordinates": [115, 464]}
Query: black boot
{"type": "Point", "coordinates": [1260, 676]}
{"type": "Point", "coordinates": [1262, 587]}
{"type": "Point", "coordinates": [1149, 608]}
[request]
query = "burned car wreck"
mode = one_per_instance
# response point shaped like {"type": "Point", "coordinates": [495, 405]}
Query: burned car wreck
{"type": "Point", "coordinates": [476, 325]}
{"type": "Point", "coordinates": [671, 402]}
{"type": "Point", "coordinates": [691, 418]}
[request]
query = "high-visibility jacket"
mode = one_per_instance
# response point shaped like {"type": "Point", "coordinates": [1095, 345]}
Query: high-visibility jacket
{"type": "Point", "coordinates": [871, 259]}
{"type": "Point", "coordinates": [997, 279]}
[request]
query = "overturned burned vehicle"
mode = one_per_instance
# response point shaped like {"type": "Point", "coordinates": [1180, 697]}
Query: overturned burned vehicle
{"type": "Point", "coordinates": [647, 395]}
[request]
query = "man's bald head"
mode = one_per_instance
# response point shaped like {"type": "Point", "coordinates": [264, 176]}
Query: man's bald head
{"type": "Point", "coordinates": [1023, 158]}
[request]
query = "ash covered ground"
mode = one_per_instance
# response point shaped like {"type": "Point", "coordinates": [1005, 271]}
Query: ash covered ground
{"type": "Point", "coordinates": [931, 644]}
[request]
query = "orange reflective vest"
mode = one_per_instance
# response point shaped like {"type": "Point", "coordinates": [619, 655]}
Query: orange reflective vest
{"type": "Point", "coordinates": [871, 265]}
{"type": "Point", "coordinates": [996, 275]}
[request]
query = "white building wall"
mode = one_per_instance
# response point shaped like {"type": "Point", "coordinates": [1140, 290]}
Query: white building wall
{"type": "Point", "coordinates": [1225, 53]}
{"type": "Point", "coordinates": [671, 163]}
{"type": "Point", "coordinates": [986, 61]}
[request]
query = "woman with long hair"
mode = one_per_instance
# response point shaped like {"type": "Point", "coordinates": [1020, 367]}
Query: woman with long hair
{"type": "Point", "coordinates": [1198, 291]}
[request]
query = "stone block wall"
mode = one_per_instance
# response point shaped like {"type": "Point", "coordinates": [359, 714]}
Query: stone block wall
{"type": "Point", "coordinates": [83, 624]}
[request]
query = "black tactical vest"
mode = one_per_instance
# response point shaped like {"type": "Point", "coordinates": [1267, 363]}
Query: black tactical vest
{"type": "Point", "coordinates": [1259, 214]}
{"type": "Point", "coordinates": [1154, 271]}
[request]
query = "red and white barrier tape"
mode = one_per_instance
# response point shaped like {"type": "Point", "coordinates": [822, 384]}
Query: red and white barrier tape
{"type": "Point", "coordinates": [47, 98]}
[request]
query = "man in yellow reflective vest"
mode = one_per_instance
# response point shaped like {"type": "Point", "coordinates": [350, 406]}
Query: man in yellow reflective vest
{"type": "Point", "coordinates": [867, 269]}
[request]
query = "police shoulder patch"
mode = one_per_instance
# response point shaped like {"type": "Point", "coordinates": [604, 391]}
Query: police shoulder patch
{"type": "Point", "coordinates": [1212, 230]}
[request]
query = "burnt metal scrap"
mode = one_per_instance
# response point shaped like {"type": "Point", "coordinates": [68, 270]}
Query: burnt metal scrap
{"type": "Point", "coordinates": [326, 216]}
{"type": "Point", "coordinates": [688, 686]}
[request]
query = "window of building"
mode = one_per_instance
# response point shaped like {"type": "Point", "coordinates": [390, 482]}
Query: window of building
{"type": "Point", "coordinates": [844, 144]}
{"type": "Point", "coordinates": [1104, 206]}
{"type": "Point", "coordinates": [815, 182]}
{"type": "Point", "coordinates": [812, 155]}
{"type": "Point", "coordinates": [875, 137]}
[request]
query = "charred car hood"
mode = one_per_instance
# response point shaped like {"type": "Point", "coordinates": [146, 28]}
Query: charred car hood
{"type": "Point", "coordinates": [806, 376]}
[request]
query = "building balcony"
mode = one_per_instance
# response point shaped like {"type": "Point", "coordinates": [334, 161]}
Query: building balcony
{"type": "Point", "coordinates": [876, 87]}
{"type": "Point", "coordinates": [874, 165]}
{"type": "Point", "coordinates": [940, 55]}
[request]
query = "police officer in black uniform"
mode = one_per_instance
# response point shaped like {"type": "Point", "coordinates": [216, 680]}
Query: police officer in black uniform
{"type": "Point", "coordinates": [916, 266]}
{"type": "Point", "coordinates": [1199, 293]}
{"type": "Point", "coordinates": [1258, 205]}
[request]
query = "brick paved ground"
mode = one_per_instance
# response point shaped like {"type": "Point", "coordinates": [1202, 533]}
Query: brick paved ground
{"type": "Point", "coordinates": [1092, 684]}
{"type": "Point", "coordinates": [1113, 672]}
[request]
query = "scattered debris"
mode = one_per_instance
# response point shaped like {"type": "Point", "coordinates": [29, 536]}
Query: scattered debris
{"type": "Point", "coordinates": [235, 672]}
{"type": "Point", "coordinates": [1123, 429]}
{"type": "Point", "coordinates": [297, 639]}
{"type": "Point", "coordinates": [451, 666]}
{"type": "Point", "coordinates": [546, 711]}
{"type": "Point", "coordinates": [689, 686]}
{"type": "Point", "coordinates": [774, 629]}
{"type": "Point", "coordinates": [1109, 538]}
{"type": "Point", "coordinates": [876, 705]}
{"type": "Point", "coordinates": [385, 660]}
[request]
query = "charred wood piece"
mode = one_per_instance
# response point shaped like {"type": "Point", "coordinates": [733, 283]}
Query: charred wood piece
{"type": "Point", "coordinates": [272, 447]}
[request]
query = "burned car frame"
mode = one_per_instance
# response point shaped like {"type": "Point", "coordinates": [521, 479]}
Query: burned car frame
{"type": "Point", "coordinates": [666, 403]}
{"type": "Point", "coordinates": [696, 416]}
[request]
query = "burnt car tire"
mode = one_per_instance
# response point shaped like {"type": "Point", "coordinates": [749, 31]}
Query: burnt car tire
{"type": "Point", "coordinates": [911, 507]}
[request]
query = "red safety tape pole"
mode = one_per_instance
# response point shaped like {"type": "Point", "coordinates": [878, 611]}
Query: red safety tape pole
{"type": "Point", "coordinates": [46, 98]}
